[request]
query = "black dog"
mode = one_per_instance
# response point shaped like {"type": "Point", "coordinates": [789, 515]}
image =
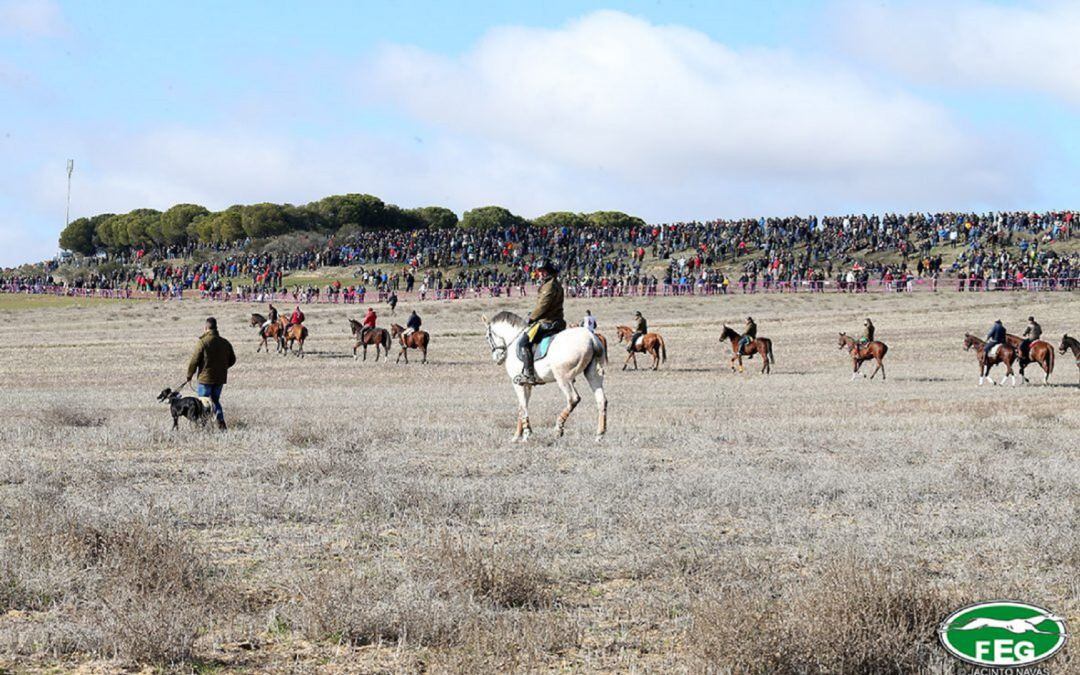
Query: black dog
{"type": "Point", "coordinates": [195, 408]}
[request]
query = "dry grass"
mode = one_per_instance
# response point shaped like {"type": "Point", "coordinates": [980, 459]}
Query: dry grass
{"type": "Point", "coordinates": [376, 518]}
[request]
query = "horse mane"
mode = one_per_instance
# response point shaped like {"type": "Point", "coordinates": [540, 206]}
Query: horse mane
{"type": "Point", "coordinates": [510, 318]}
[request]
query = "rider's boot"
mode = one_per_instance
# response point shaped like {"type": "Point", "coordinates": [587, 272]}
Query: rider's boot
{"type": "Point", "coordinates": [222, 426]}
{"type": "Point", "coordinates": [528, 371]}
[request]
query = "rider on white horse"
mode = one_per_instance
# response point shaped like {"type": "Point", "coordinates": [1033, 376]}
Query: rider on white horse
{"type": "Point", "coordinates": [546, 319]}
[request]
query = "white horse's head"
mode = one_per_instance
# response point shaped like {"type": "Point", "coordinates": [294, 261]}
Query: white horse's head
{"type": "Point", "coordinates": [502, 330]}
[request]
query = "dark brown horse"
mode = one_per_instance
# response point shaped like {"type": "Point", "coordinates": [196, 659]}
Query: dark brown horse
{"type": "Point", "coordinates": [861, 352]}
{"type": "Point", "coordinates": [296, 334]}
{"type": "Point", "coordinates": [761, 346]}
{"type": "Point", "coordinates": [1070, 343]}
{"type": "Point", "coordinates": [1003, 354]}
{"type": "Point", "coordinates": [380, 337]}
{"type": "Point", "coordinates": [1039, 351]}
{"type": "Point", "coordinates": [650, 343]}
{"type": "Point", "coordinates": [275, 330]}
{"type": "Point", "coordinates": [416, 340]}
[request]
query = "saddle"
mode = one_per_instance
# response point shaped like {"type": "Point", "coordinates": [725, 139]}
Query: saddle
{"type": "Point", "coordinates": [541, 348]}
{"type": "Point", "coordinates": [994, 351]}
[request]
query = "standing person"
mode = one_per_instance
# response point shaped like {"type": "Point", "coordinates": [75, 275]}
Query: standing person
{"type": "Point", "coordinates": [212, 359]}
{"type": "Point", "coordinates": [590, 321]}
{"type": "Point", "coordinates": [641, 326]}
{"type": "Point", "coordinates": [545, 319]}
{"type": "Point", "coordinates": [1032, 333]}
{"type": "Point", "coordinates": [412, 325]}
{"type": "Point", "coordinates": [392, 301]}
{"type": "Point", "coordinates": [995, 337]}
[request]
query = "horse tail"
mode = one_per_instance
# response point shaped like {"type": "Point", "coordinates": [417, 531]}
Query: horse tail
{"type": "Point", "coordinates": [1050, 361]}
{"type": "Point", "coordinates": [772, 359]}
{"type": "Point", "coordinates": [663, 349]}
{"type": "Point", "coordinates": [386, 340]}
{"type": "Point", "coordinates": [600, 357]}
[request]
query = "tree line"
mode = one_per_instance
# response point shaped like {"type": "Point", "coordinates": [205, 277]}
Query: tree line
{"type": "Point", "coordinates": [341, 215]}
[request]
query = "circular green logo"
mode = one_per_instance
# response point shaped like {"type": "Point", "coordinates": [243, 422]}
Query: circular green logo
{"type": "Point", "coordinates": [1002, 633]}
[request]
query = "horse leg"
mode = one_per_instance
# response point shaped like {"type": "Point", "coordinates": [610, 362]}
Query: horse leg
{"type": "Point", "coordinates": [572, 399]}
{"type": "Point", "coordinates": [877, 367]}
{"type": "Point", "coordinates": [741, 368]}
{"type": "Point", "coordinates": [854, 368]}
{"type": "Point", "coordinates": [655, 357]}
{"type": "Point", "coordinates": [765, 358]}
{"type": "Point", "coordinates": [365, 351]}
{"type": "Point", "coordinates": [596, 383]}
{"type": "Point", "coordinates": [423, 352]}
{"type": "Point", "coordinates": [523, 428]}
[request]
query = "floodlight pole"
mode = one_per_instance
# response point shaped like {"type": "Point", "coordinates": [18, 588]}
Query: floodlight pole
{"type": "Point", "coordinates": [67, 213]}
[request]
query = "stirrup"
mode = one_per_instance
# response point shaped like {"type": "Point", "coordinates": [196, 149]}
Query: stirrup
{"type": "Point", "coordinates": [522, 379]}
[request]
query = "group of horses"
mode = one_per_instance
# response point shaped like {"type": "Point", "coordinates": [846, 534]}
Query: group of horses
{"type": "Point", "coordinates": [290, 338]}
{"type": "Point", "coordinates": [1039, 351]}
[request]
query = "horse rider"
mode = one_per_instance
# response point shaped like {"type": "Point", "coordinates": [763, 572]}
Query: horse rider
{"type": "Point", "coordinates": [1032, 333]}
{"type": "Point", "coordinates": [412, 325]}
{"type": "Point", "coordinates": [297, 318]}
{"type": "Point", "coordinates": [271, 318]}
{"type": "Point", "coordinates": [589, 322]}
{"type": "Point", "coordinates": [868, 332]}
{"type": "Point", "coordinates": [995, 337]}
{"type": "Point", "coordinates": [641, 326]}
{"type": "Point", "coordinates": [749, 333]}
{"type": "Point", "coordinates": [212, 358]}
{"type": "Point", "coordinates": [368, 322]}
{"type": "Point", "coordinates": [545, 319]}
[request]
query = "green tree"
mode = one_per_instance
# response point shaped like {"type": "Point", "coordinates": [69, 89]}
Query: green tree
{"type": "Point", "coordinates": [435, 217]}
{"type": "Point", "coordinates": [264, 220]}
{"type": "Point", "coordinates": [139, 227]}
{"type": "Point", "coordinates": [365, 211]}
{"type": "Point", "coordinates": [614, 219]}
{"type": "Point", "coordinates": [490, 216]}
{"type": "Point", "coordinates": [79, 236]}
{"type": "Point", "coordinates": [561, 219]}
{"type": "Point", "coordinates": [175, 222]}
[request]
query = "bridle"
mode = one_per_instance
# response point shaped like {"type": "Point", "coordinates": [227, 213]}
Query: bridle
{"type": "Point", "coordinates": [499, 352]}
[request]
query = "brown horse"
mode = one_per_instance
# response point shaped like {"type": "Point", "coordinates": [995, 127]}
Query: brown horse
{"type": "Point", "coordinates": [296, 333]}
{"type": "Point", "coordinates": [417, 340]}
{"type": "Point", "coordinates": [1071, 343]}
{"type": "Point", "coordinates": [1005, 354]}
{"type": "Point", "coordinates": [1040, 352]}
{"type": "Point", "coordinates": [650, 343]}
{"type": "Point", "coordinates": [380, 337]}
{"type": "Point", "coordinates": [864, 352]}
{"type": "Point", "coordinates": [275, 330]}
{"type": "Point", "coordinates": [761, 346]}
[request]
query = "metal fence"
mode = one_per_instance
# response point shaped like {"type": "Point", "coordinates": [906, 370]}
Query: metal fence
{"type": "Point", "coordinates": [910, 285]}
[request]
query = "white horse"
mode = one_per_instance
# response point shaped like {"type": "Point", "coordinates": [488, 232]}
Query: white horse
{"type": "Point", "coordinates": [572, 352]}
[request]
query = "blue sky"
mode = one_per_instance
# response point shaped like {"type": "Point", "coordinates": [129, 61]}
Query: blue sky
{"type": "Point", "coordinates": [667, 110]}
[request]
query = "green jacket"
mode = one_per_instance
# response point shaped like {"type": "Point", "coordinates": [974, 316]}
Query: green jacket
{"type": "Point", "coordinates": [212, 359]}
{"type": "Point", "coordinates": [868, 332]}
{"type": "Point", "coordinates": [549, 302]}
{"type": "Point", "coordinates": [750, 330]}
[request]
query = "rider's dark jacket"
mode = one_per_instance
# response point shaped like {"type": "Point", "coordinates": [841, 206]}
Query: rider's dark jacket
{"type": "Point", "coordinates": [413, 322]}
{"type": "Point", "coordinates": [997, 333]}
{"type": "Point", "coordinates": [549, 302]}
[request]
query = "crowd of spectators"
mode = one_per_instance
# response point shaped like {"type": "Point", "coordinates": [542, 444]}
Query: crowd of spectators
{"type": "Point", "coordinates": [995, 250]}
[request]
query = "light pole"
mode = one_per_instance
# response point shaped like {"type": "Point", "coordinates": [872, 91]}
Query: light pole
{"type": "Point", "coordinates": [67, 213]}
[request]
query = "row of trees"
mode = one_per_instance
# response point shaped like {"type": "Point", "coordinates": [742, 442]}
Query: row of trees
{"type": "Point", "coordinates": [342, 215]}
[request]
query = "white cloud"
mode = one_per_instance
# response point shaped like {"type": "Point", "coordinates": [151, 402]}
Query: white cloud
{"type": "Point", "coordinates": [33, 18]}
{"type": "Point", "coordinates": [613, 93]}
{"type": "Point", "coordinates": [969, 43]}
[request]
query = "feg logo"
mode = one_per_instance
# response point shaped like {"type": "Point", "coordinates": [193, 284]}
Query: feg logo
{"type": "Point", "coordinates": [1002, 633]}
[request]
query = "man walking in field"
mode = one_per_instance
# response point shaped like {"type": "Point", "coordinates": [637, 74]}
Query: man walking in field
{"type": "Point", "coordinates": [212, 359]}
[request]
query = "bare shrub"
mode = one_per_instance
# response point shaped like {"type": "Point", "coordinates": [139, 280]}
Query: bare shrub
{"type": "Point", "coordinates": [59, 415]}
{"type": "Point", "coordinates": [504, 578]}
{"type": "Point", "coordinates": [510, 642]}
{"type": "Point", "coordinates": [850, 618]}
{"type": "Point", "coordinates": [124, 587]}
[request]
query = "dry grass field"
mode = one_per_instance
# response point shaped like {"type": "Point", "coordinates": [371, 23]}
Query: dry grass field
{"type": "Point", "coordinates": [373, 517]}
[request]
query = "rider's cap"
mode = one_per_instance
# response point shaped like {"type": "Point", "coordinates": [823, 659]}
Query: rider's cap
{"type": "Point", "coordinates": [1031, 318]}
{"type": "Point", "coordinates": [637, 313]}
{"type": "Point", "coordinates": [548, 266]}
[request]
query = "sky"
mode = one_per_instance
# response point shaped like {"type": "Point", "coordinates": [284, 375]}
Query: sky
{"type": "Point", "coordinates": [667, 110]}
